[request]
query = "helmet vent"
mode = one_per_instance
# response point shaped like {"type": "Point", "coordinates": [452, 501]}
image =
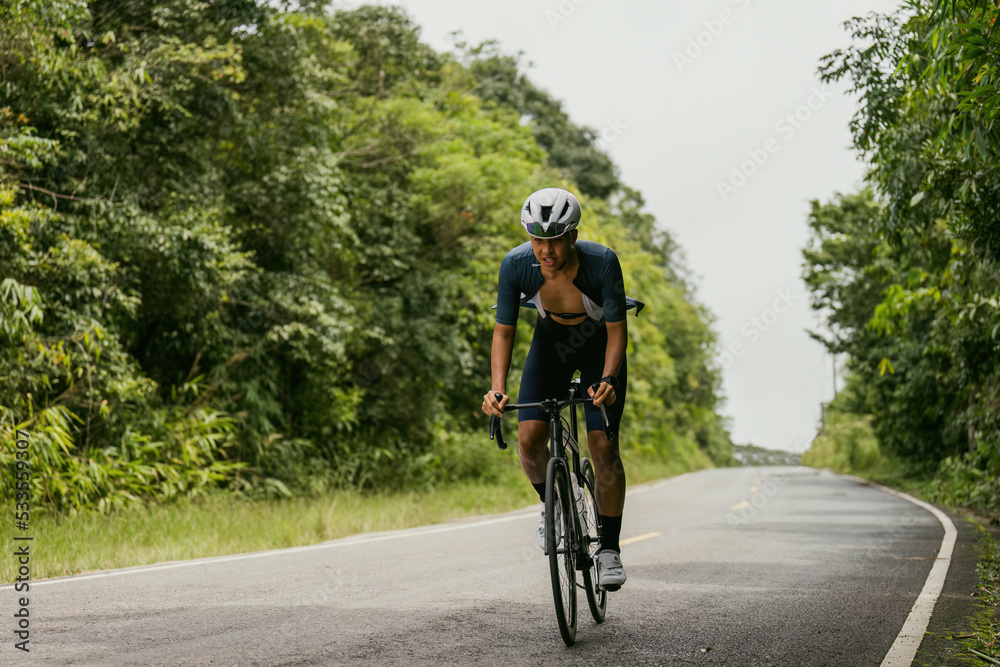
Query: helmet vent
{"type": "Point", "coordinates": [546, 213]}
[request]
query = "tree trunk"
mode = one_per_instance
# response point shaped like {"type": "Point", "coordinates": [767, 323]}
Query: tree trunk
{"type": "Point", "coordinates": [972, 429]}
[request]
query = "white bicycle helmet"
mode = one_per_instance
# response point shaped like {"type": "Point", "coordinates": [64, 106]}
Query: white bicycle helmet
{"type": "Point", "coordinates": [549, 213]}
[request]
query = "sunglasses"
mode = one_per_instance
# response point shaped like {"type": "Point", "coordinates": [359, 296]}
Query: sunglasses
{"type": "Point", "coordinates": [555, 229]}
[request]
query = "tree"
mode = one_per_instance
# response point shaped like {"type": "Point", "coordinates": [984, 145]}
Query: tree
{"type": "Point", "coordinates": [570, 148]}
{"type": "Point", "coordinates": [254, 246]}
{"type": "Point", "coordinates": [927, 80]}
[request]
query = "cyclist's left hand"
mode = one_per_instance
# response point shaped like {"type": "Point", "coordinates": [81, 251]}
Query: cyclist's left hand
{"type": "Point", "coordinates": [604, 394]}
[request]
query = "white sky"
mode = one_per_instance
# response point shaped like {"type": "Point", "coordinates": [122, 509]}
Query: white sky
{"type": "Point", "coordinates": [683, 129]}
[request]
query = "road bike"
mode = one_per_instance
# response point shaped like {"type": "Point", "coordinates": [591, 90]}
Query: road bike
{"type": "Point", "coordinates": [572, 524]}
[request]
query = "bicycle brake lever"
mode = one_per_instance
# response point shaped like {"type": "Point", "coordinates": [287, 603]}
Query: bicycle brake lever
{"type": "Point", "coordinates": [608, 433]}
{"type": "Point", "coordinates": [496, 433]}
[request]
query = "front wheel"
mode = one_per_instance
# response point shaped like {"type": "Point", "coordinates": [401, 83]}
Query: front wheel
{"type": "Point", "coordinates": [590, 522]}
{"type": "Point", "coordinates": [561, 545]}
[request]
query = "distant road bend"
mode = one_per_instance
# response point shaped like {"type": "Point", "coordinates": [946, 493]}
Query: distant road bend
{"type": "Point", "coordinates": [737, 566]}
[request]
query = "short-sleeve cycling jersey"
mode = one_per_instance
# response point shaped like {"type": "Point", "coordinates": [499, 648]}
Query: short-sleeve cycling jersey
{"type": "Point", "coordinates": [599, 278]}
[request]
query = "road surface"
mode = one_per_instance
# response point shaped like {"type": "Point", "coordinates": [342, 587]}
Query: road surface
{"type": "Point", "coordinates": [738, 566]}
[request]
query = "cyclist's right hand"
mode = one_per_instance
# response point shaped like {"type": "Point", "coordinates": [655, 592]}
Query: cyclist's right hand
{"type": "Point", "coordinates": [492, 406]}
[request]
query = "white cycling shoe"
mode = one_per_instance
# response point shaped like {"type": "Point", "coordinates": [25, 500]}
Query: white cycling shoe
{"type": "Point", "coordinates": [541, 528]}
{"type": "Point", "coordinates": [610, 571]}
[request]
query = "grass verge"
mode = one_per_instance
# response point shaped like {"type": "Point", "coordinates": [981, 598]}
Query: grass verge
{"type": "Point", "coordinates": [223, 524]}
{"type": "Point", "coordinates": [987, 640]}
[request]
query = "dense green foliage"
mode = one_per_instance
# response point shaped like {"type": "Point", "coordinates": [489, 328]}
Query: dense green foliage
{"type": "Point", "coordinates": [910, 274]}
{"type": "Point", "coordinates": [846, 442]}
{"type": "Point", "coordinates": [571, 149]}
{"type": "Point", "coordinates": [256, 248]}
{"type": "Point", "coordinates": [987, 639]}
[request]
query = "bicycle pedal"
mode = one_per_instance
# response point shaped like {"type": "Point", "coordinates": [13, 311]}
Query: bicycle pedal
{"type": "Point", "coordinates": [609, 589]}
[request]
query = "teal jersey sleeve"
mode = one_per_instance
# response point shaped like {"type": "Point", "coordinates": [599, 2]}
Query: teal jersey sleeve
{"type": "Point", "coordinates": [509, 289]}
{"type": "Point", "coordinates": [612, 288]}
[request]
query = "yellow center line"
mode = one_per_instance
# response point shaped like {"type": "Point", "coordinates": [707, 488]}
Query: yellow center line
{"type": "Point", "coordinates": [639, 538]}
{"type": "Point", "coordinates": [740, 505]}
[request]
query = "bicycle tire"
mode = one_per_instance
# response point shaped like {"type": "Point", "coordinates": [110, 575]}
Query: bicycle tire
{"type": "Point", "coordinates": [561, 546]}
{"type": "Point", "coordinates": [590, 537]}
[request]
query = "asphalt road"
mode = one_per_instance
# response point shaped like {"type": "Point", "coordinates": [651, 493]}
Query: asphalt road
{"type": "Point", "coordinates": [740, 566]}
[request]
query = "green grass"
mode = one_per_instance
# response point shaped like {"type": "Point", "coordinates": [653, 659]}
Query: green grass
{"type": "Point", "coordinates": [223, 524]}
{"type": "Point", "coordinates": [987, 640]}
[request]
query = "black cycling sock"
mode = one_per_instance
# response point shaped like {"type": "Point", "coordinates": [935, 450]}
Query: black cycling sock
{"type": "Point", "coordinates": [612, 532]}
{"type": "Point", "coordinates": [540, 487]}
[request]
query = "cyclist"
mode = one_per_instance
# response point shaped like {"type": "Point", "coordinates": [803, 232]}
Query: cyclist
{"type": "Point", "coordinates": [578, 290]}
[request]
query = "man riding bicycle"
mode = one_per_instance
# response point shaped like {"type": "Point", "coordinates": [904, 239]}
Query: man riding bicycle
{"type": "Point", "coordinates": [578, 290]}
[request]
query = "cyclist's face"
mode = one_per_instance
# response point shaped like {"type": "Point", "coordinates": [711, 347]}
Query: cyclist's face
{"type": "Point", "coordinates": [553, 253]}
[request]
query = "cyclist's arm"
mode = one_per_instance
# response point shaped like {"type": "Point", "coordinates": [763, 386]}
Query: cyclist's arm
{"type": "Point", "coordinates": [508, 304]}
{"type": "Point", "coordinates": [613, 355]}
{"type": "Point", "coordinates": [617, 342]}
{"type": "Point", "coordinates": [613, 294]}
{"type": "Point", "coordinates": [503, 347]}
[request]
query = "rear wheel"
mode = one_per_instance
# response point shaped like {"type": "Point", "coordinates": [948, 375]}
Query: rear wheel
{"type": "Point", "coordinates": [561, 545]}
{"type": "Point", "coordinates": [590, 522]}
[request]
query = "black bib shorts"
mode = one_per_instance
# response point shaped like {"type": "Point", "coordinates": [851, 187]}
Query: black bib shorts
{"type": "Point", "coordinates": [557, 352]}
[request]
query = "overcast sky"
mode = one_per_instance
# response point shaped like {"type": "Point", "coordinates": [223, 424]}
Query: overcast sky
{"type": "Point", "coordinates": [714, 111]}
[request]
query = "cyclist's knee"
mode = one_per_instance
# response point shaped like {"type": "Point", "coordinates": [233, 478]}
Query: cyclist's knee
{"type": "Point", "coordinates": [532, 435]}
{"type": "Point", "coordinates": [601, 449]}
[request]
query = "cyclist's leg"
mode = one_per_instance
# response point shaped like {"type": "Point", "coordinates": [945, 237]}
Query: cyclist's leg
{"type": "Point", "coordinates": [533, 451]}
{"type": "Point", "coordinates": [544, 377]}
{"type": "Point", "coordinates": [608, 468]}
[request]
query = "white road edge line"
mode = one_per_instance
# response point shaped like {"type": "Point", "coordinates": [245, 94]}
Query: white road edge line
{"type": "Point", "coordinates": [343, 542]}
{"type": "Point", "coordinates": [904, 649]}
